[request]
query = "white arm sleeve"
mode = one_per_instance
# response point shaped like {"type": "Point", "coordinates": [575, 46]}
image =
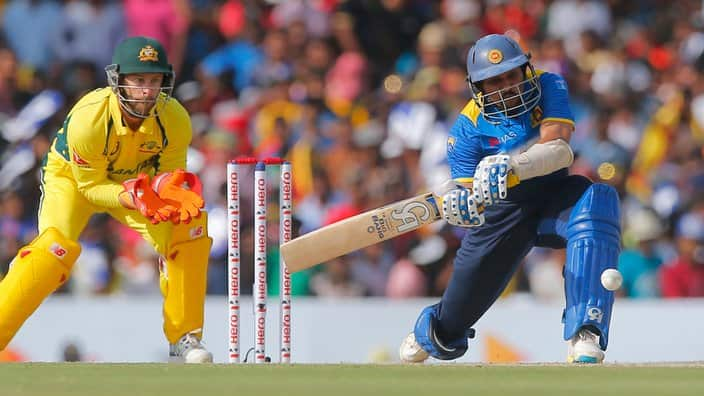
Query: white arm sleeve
{"type": "Point", "coordinates": [542, 159]}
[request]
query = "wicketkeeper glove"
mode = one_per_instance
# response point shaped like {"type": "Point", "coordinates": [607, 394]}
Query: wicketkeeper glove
{"type": "Point", "coordinates": [146, 201]}
{"type": "Point", "coordinates": [183, 190]}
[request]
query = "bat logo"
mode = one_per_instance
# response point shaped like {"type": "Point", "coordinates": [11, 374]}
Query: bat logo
{"type": "Point", "coordinates": [379, 225]}
{"type": "Point", "coordinates": [408, 218]}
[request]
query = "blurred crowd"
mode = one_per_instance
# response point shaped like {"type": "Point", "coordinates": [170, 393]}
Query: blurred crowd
{"type": "Point", "coordinates": [359, 96]}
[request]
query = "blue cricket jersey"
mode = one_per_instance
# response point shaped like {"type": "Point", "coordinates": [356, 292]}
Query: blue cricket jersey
{"type": "Point", "coordinates": [472, 137]}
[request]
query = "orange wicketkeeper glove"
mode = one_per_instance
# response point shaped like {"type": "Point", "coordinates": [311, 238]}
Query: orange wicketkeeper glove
{"type": "Point", "coordinates": [183, 190]}
{"type": "Point", "coordinates": [146, 201]}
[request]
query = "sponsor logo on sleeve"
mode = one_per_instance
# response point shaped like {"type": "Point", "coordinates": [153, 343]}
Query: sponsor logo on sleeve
{"type": "Point", "coordinates": [536, 117]}
{"type": "Point", "coordinates": [450, 143]}
{"type": "Point", "coordinates": [78, 160]}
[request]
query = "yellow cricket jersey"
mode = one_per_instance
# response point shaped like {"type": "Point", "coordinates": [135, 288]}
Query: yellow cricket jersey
{"type": "Point", "coordinates": [99, 151]}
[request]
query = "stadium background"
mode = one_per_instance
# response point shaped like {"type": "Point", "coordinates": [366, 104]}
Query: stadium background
{"type": "Point", "coordinates": [360, 96]}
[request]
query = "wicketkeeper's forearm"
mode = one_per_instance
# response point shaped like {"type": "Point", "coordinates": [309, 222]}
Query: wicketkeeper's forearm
{"type": "Point", "coordinates": [105, 195]}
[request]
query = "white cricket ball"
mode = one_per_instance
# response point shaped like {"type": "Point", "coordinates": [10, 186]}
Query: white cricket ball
{"type": "Point", "coordinates": [611, 279]}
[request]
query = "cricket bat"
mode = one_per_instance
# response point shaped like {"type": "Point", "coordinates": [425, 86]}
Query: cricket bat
{"type": "Point", "coordinates": [365, 229]}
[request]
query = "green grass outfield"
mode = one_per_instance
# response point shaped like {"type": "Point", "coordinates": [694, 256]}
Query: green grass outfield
{"type": "Point", "coordinates": [80, 379]}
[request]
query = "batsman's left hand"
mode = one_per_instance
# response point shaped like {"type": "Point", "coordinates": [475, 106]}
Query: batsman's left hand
{"type": "Point", "coordinates": [492, 178]}
{"type": "Point", "coordinates": [183, 190]}
{"type": "Point", "coordinates": [460, 209]}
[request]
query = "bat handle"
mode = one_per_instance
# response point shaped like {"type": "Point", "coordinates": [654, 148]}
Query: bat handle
{"type": "Point", "coordinates": [450, 184]}
{"type": "Point", "coordinates": [513, 180]}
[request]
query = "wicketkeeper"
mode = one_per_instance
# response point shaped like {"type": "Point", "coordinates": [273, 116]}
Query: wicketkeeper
{"type": "Point", "coordinates": [121, 150]}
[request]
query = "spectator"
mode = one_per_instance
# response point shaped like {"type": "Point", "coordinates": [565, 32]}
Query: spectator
{"type": "Point", "coordinates": [8, 82]}
{"type": "Point", "coordinates": [406, 280]}
{"type": "Point", "coordinates": [93, 272]}
{"type": "Point", "coordinates": [203, 36]}
{"type": "Point", "coordinates": [313, 16]}
{"type": "Point", "coordinates": [684, 277]}
{"type": "Point", "coordinates": [276, 66]}
{"type": "Point", "coordinates": [639, 261]}
{"type": "Point", "coordinates": [370, 267]}
{"type": "Point", "coordinates": [240, 56]}
{"type": "Point", "coordinates": [164, 20]}
{"type": "Point", "coordinates": [351, 91]}
{"type": "Point", "coordinates": [29, 26]}
{"type": "Point", "coordinates": [14, 230]}
{"type": "Point", "coordinates": [87, 31]}
{"type": "Point", "coordinates": [543, 268]}
{"type": "Point", "coordinates": [335, 280]}
{"type": "Point", "coordinates": [567, 18]}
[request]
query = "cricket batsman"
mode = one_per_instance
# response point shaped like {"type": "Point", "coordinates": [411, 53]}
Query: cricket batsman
{"type": "Point", "coordinates": [121, 150]}
{"type": "Point", "coordinates": [519, 122]}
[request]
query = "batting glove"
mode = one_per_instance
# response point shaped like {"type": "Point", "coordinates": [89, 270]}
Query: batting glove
{"type": "Point", "coordinates": [461, 209]}
{"type": "Point", "coordinates": [491, 179]}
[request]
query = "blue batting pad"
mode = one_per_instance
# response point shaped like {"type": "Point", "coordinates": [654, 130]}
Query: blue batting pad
{"type": "Point", "coordinates": [593, 245]}
{"type": "Point", "coordinates": [426, 337]}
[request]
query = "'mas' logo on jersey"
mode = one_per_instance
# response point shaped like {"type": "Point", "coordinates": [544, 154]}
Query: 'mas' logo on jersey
{"type": "Point", "coordinates": [494, 141]}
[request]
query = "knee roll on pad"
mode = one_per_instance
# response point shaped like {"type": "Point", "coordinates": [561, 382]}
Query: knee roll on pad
{"type": "Point", "coordinates": [182, 233]}
{"type": "Point", "coordinates": [37, 271]}
{"type": "Point", "coordinates": [593, 245]}
{"type": "Point", "coordinates": [45, 263]}
{"type": "Point", "coordinates": [426, 337]}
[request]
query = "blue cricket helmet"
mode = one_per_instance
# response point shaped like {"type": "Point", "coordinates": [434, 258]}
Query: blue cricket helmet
{"type": "Point", "coordinates": [491, 56]}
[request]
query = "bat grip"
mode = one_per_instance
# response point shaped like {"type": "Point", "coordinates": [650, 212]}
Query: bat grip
{"type": "Point", "coordinates": [513, 180]}
{"type": "Point", "coordinates": [450, 184]}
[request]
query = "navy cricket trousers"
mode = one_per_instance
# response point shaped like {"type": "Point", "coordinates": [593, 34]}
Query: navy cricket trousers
{"type": "Point", "coordinates": [535, 214]}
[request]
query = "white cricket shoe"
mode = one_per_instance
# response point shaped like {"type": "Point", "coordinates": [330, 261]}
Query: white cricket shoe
{"type": "Point", "coordinates": [411, 352]}
{"type": "Point", "coordinates": [584, 348]}
{"type": "Point", "coordinates": [189, 350]}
